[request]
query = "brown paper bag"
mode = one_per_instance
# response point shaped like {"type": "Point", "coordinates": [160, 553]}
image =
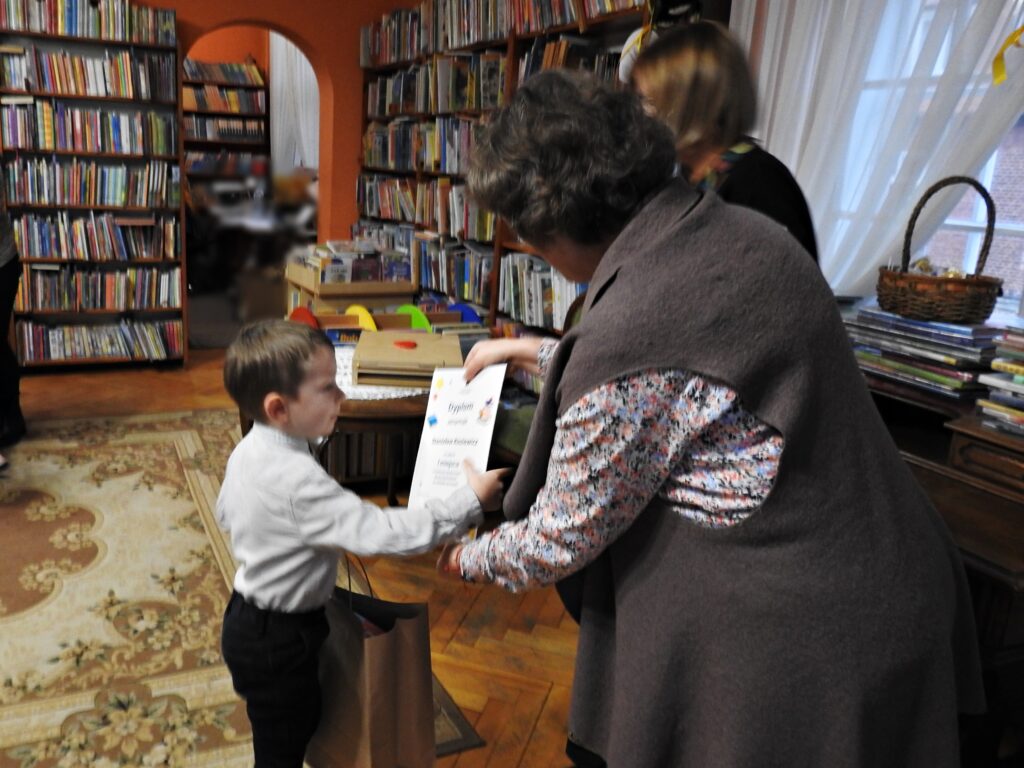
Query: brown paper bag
{"type": "Point", "coordinates": [378, 710]}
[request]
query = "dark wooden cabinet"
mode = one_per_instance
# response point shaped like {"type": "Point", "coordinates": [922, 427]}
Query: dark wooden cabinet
{"type": "Point", "coordinates": [975, 477]}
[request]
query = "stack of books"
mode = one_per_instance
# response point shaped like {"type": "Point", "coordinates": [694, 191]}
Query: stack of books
{"type": "Point", "coordinates": [945, 359]}
{"type": "Point", "coordinates": [1003, 409]}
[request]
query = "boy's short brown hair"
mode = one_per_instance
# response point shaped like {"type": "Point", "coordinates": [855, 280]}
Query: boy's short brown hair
{"type": "Point", "coordinates": [269, 356]}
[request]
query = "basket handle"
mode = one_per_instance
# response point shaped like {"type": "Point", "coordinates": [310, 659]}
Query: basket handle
{"type": "Point", "coordinates": [942, 183]}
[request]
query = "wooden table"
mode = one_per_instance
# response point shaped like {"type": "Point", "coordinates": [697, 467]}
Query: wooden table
{"type": "Point", "coordinates": [393, 420]}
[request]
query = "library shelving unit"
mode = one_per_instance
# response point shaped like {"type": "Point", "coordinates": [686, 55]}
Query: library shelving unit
{"type": "Point", "coordinates": [226, 122]}
{"type": "Point", "coordinates": [91, 147]}
{"type": "Point", "coordinates": [431, 75]}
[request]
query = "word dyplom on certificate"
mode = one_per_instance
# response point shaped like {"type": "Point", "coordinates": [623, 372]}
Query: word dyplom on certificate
{"type": "Point", "coordinates": [458, 425]}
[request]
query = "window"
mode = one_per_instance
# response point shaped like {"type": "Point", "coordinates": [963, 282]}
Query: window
{"type": "Point", "coordinates": [958, 241]}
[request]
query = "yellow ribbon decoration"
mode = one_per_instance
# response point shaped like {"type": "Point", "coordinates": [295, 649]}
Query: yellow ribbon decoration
{"type": "Point", "coordinates": [999, 62]}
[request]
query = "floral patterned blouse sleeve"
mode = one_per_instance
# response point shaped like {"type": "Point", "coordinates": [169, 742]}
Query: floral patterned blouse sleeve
{"type": "Point", "coordinates": [614, 449]}
{"type": "Point", "coordinates": [544, 355]}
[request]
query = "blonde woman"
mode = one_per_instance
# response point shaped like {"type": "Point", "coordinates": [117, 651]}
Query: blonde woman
{"type": "Point", "coordinates": [695, 78]}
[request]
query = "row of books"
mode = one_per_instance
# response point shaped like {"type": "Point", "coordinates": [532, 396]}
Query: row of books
{"type": "Point", "coordinates": [440, 25]}
{"type": "Point", "coordinates": [224, 129]}
{"type": "Point", "coordinates": [945, 359]}
{"type": "Point", "coordinates": [396, 37]}
{"type": "Point", "coordinates": [217, 98]}
{"type": "Point", "coordinates": [437, 204]}
{"type": "Point", "coordinates": [353, 261]}
{"type": "Point", "coordinates": [441, 145]}
{"type": "Point", "coordinates": [460, 269]}
{"type": "Point", "coordinates": [391, 146]}
{"type": "Point", "coordinates": [104, 20]}
{"type": "Point", "coordinates": [474, 81]}
{"type": "Point", "coordinates": [978, 363]}
{"type": "Point", "coordinates": [386, 197]}
{"type": "Point", "coordinates": [456, 83]}
{"type": "Point", "coordinates": [537, 15]}
{"type": "Point", "coordinates": [104, 237]}
{"type": "Point", "coordinates": [594, 8]}
{"type": "Point", "coordinates": [41, 181]}
{"type": "Point", "coordinates": [443, 84]}
{"type": "Point", "coordinates": [49, 126]}
{"type": "Point", "coordinates": [570, 52]}
{"type": "Point", "coordinates": [385, 236]}
{"type": "Point", "coordinates": [531, 291]}
{"type": "Point", "coordinates": [120, 74]}
{"type": "Point", "coordinates": [226, 163]}
{"type": "Point", "coordinates": [446, 143]}
{"type": "Point", "coordinates": [447, 209]}
{"type": "Point", "coordinates": [513, 329]}
{"type": "Point", "coordinates": [223, 72]}
{"type": "Point", "coordinates": [126, 340]}
{"type": "Point", "coordinates": [466, 219]}
{"type": "Point", "coordinates": [1003, 407]}
{"type": "Point", "coordinates": [448, 24]}
{"type": "Point", "coordinates": [71, 289]}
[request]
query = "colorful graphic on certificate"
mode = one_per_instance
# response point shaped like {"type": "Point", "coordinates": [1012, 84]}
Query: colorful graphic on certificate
{"type": "Point", "coordinates": [458, 425]}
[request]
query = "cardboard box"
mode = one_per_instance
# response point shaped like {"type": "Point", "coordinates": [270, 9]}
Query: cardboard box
{"type": "Point", "coordinates": [403, 358]}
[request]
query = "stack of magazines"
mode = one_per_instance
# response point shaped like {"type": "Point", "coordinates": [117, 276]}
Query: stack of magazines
{"type": "Point", "coordinates": [940, 358]}
{"type": "Point", "coordinates": [1003, 409]}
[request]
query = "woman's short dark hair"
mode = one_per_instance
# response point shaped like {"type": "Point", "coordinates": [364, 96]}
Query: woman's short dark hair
{"type": "Point", "coordinates": [269, 356]}
{"type": "Point", "coordinates": [696, 78]}
{"type": "Point", "coordinates": [569, 156]}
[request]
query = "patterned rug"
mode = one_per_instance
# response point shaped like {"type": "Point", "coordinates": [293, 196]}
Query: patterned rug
{"type": "Point", "coordinates": [112, 583]}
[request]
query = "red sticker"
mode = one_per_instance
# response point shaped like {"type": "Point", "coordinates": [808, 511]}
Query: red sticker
{"type": "Point", "coordinates": [405, 344]}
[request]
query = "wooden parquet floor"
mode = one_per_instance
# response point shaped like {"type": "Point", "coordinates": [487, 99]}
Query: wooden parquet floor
{"type": "Point", "coordinates": [506, 659]}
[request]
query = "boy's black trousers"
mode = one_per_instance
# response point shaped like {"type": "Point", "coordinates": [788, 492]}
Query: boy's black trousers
{"type": "Point", "coordinates": [273, 660]}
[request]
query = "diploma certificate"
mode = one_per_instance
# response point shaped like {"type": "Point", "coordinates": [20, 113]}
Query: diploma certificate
{"type": "Point", "coordinates": [458, 425]}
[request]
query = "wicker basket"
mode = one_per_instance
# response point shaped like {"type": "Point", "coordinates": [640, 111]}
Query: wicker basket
{"type": "Point", "coordinates": [969, 299]}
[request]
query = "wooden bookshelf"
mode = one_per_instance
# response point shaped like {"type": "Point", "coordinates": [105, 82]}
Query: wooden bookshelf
{"type": "Point", "coordinates": [92, 361]}
{"type": "Point", "coordinates": [224, 83]}
{"type": "Point", "coordinates": [43, 94]}
{"type": "Point", "coordinates": [417, 75]}
{"type": "Point", "coordinates": [108, 42]}
{"type": "Point", "coordinates": [215, 95]}
{"type": "Point", "coordinates": [76, 153]}
{"type": "Point", "coordinates": [91, 207]}
{"type": "Point", "coordinates": [94, 262]}
{"type": "Point", "coordinates": [94, 109]}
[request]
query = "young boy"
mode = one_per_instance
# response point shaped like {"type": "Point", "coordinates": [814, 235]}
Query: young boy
{"type": "Point", "coordinates": [289, 521]}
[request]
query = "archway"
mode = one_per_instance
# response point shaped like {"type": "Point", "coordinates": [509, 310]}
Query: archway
{"type": "Point", "coordinates": [250, 130]}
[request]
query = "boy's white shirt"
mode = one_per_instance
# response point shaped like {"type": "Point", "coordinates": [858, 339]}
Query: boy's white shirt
{"type": "Point", "coordinates": [289, 521]}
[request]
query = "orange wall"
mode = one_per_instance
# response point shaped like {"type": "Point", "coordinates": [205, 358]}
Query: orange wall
{"type": "Point", "coordinates": [327, 32]}
{"type": "Point", "coordinates": [233, 44]}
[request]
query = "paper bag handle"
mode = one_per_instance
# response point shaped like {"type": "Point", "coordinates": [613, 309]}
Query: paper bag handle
{"type": "Point", "coordinates": [348, 571]}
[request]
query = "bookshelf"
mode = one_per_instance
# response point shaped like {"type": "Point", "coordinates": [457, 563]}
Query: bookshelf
{"type": "Point", "coordinates": [91, 148]}
{"type": "Point", "coordinates": [226, 122]}
{"type": "Point", "coordinates": [431, 75]}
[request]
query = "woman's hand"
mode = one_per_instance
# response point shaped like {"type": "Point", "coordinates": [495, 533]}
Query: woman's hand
{"type": "Point", "coordinates": [448, 562]}
{"type": "Point", "coordinates": [486, 485]}
{"type": "Point", "coordinates": [521, 352]}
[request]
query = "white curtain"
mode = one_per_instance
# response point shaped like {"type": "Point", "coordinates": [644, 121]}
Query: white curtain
{"type": "Point", "coordinates": [869, 102]}
{"type": "Point", "coordinates": [294, 108]}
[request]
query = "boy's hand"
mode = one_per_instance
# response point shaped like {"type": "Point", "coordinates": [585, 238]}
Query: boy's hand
{"type": "Point", "coordinates": [448, 562]}
{"type": "Point", "coordinates": [486, 485]}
